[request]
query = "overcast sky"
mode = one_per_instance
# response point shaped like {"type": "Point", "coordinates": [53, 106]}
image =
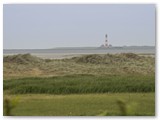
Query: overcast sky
{"type": "Point", "coordinates": [50, 25]}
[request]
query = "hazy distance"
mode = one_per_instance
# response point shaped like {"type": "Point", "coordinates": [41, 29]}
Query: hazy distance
{"type": "Point", "coordinates": [33, 26]}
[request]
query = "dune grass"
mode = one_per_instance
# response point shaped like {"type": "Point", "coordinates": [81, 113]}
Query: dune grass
{"type": "Point", "coordinates": [19, 66]}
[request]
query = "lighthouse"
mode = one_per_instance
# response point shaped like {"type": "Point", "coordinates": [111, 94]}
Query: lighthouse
{"type": "Point", "coordinates": [106, 41]}
{"type": "Point", "coordinates": [106, 44]}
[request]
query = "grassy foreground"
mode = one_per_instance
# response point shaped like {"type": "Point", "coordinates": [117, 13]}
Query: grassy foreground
{"type": "Point", "coordinates": [84, 104]}
{"type": "Point", "coordinates": [89, 85]}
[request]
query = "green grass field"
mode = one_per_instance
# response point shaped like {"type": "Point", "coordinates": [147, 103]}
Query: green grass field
{"type": "Point", "coordinates": [84, 104]}
{"type": "Point", "coordinates": [90, 85]}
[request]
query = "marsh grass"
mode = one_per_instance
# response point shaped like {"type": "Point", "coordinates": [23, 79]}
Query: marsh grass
{"type": "Point", "coordinates": [80, 84]}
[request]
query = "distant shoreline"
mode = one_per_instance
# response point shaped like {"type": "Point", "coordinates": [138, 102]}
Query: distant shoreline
{"type": "Point", "coordinates": [57, 48]}
{"type": "Point", "coordinates": [61, 53]}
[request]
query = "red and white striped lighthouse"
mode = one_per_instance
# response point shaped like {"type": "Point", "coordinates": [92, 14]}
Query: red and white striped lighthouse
{"type": "Point", "coordinates": [106, 41]}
